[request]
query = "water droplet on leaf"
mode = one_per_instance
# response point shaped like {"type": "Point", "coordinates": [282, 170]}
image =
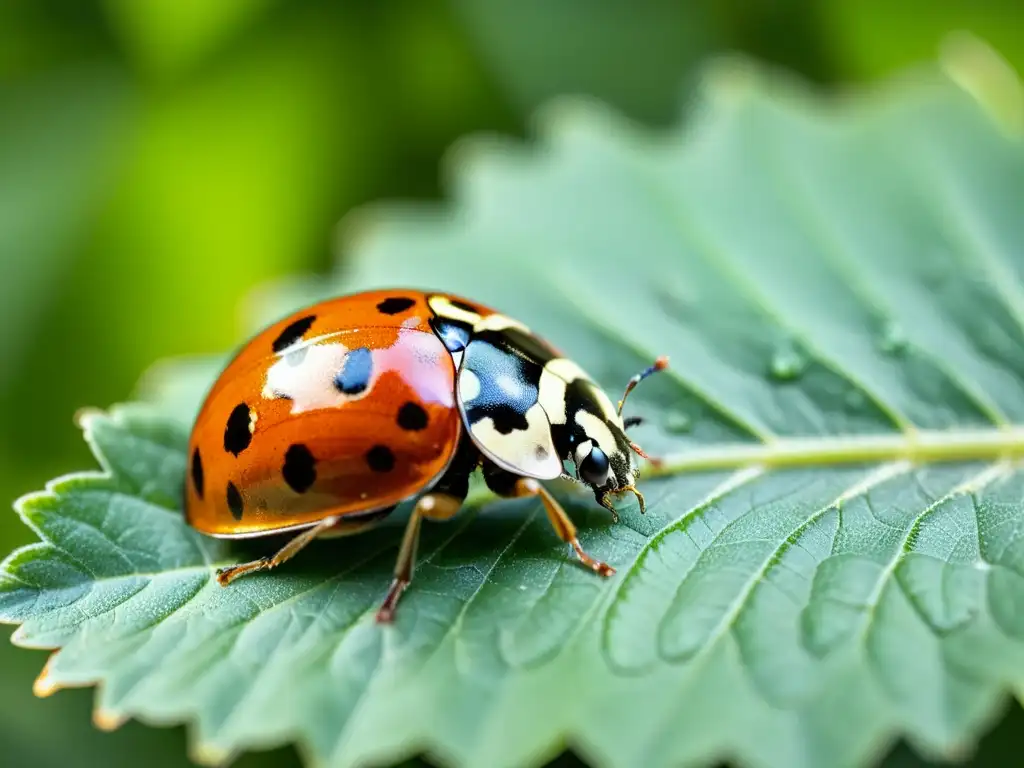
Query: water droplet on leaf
{"type": "Point", "coordinates": [678, 422]}
{"type": "Point", "coordinates": [894, 339]}
{"type": "Point", "coordinates": [854, 399]}
{"type": "Point", "coordinates": [787, 364]}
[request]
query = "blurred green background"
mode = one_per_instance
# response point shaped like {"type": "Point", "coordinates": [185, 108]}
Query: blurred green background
{"type": "Point", "coordinates": [160, 159]}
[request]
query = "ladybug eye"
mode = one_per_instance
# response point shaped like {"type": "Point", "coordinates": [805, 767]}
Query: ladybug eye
{"type": "Point", "coordinates": [594, 467]}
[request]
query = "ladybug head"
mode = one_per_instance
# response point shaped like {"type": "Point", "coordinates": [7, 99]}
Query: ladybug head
{"type": "Point", "coordinates": [606, 459]}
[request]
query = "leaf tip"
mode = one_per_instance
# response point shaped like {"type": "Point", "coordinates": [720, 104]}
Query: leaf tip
{"type": "Point", "coordinates": [108, 720]}
{"type": "Point", "coordinates": [84, 416]}
{"type": "Point", "coordinates": [44, 685]}
{"type": "Point", "coordinates": [209, 754]}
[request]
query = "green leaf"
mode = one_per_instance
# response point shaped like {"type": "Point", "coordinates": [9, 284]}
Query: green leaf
{"type": "Point", "coordinates": [830, 558]}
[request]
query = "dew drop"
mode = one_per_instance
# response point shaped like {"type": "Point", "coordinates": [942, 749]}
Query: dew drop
{"type": "Point", "coordinates": [893, 340]}
{"type": "Point", "coordinates": [787, 364]}
{"type": "Point", "coordinates": [854, 399]}
{"type": "Point", "coordinates": [678, 423]}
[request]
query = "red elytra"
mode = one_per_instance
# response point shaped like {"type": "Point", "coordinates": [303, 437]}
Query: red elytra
{"type": "Point", "coordinates": [284, 440]}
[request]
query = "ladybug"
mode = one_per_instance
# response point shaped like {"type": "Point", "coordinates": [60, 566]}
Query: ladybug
{"type": "Point", "coordinates": [327, 420]}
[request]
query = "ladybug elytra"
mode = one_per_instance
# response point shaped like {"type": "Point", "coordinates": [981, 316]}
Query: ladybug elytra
{"type": "Point", "coordinates": [330, 418]}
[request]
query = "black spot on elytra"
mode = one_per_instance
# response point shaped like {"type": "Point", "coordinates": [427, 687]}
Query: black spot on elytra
{"type": "Point", "coordinates": [293, 333]}
{"type": "Point", "coordinates": [299, 469]}
{"type": "Point", "coordinates": [236, 434]}
{"type": "Point", "coordinates": [235, 503]}
{"type": "Point", "coordinates": [197, 472]}
{"type": "Point", "coordinates": [395, 304]}
{"type": "Point", "coordinates": [380, 458]}
{"type": "Point", "coordinates": [354, 376]}
{"type": "Point", "coordinates": [412, 417]}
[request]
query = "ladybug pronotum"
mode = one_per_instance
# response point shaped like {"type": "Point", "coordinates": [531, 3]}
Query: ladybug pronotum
{"type": "Point", "coordinates": [330, 418]}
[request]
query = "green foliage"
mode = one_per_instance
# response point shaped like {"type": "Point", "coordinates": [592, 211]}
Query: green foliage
{"type": "Point", "coordinates": [837, 288]}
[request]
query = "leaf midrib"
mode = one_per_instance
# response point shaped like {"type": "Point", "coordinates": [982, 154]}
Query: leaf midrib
{"type": "Point", "coordinates": [919, 446]}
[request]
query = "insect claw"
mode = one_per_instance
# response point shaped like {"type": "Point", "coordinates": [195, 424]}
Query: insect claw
{"type": "Point", "coordinates": [605, 502]}
{"type": "Point", "coordinates": [639, 497]}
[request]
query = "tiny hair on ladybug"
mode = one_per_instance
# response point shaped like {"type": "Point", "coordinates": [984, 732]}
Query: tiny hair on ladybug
{"type": "Point", "coordinates": [327, 420]}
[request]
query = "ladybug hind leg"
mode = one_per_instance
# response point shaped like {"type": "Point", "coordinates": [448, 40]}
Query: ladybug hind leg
{"type": "Point", "coordinates": [506, 484]}
{"type": "Point", "coordinates": [335, 525]}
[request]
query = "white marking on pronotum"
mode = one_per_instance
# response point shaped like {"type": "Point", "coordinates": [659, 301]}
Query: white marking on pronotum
{"type": "Point", "coordinates": [469, 386]}
{"type": "Point", "coordinates": [607, 407]}
{"type": "Point", "coordinates": [599, 432]}
{"type": "Point", "coordinates": [498, 322]}
{"type": "Point", "coordinates": [551, 395]}
{"type": "Point", "coordinates": [566, 369]}
{"type": "Point", "coordinates": [529, 451]}
{"type": "Point", "coordinates": [444, 308]}
{"type": "Point", "coordinates": [583, 450]}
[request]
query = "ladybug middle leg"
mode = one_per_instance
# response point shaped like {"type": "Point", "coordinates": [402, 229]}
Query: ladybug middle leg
{"type": "Point", "coordinates": [442, 502]}
{"type": "Point", "coordinates": [506, 484]}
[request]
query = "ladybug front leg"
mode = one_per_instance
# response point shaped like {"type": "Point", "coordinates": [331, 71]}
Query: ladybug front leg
{"type": "Point", "coordinates": [507, 484]}
{"type": "Point", "coordinates": [564, 527]}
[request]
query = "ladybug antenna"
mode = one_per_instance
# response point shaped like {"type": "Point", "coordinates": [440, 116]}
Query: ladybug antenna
{"type": "Point", "coordinates": [659, 365]}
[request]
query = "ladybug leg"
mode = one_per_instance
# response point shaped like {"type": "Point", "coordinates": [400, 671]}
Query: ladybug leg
{"type": "Point", "coordinates": [441, 503]}
{"type": "Point", "coordinates": [329, 527]}
{"type": "Point", "coordinates": [226, 575]}
{"type": "Point", "coordinates": [564, 527]}
{"type": "Point", "coordinates": [507, 484]}
{"type": "Point", "coordinates": [434, 506]}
